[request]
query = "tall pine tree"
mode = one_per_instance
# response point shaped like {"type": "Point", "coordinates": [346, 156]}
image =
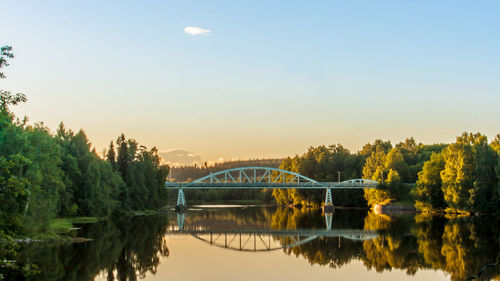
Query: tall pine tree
{"type": "Point", "coordinates": [122, 164]}
{"type": "Point", "coordinates": [111, 156]}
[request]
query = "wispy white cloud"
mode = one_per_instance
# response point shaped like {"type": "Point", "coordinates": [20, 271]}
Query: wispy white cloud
{"type": "Point", "coordinates": [193, 30]}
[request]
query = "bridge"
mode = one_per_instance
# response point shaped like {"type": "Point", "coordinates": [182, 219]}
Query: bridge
{"type": "Point", "coordinates": [260, 240]}
{"type": "Point", "coordinates": [264, 178]}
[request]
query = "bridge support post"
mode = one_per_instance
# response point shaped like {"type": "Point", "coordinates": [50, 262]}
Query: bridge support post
{"type": "Point", "coordinates": [328, 206]}
{"type": "Point", "coordinates": [181, 200]}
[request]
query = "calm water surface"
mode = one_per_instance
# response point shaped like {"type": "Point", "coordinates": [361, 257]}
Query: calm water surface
{"type": "Point", "coordinates": [268, 243]}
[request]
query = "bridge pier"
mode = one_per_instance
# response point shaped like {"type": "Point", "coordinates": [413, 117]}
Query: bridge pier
{"type": "Point", "coordinates": [328, 206]}
{"type": "Point", "coordinates": [181, 201]}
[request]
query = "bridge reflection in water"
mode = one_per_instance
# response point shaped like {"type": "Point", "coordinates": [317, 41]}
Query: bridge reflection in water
{"type": "Point", "coordinates": [260, 240]}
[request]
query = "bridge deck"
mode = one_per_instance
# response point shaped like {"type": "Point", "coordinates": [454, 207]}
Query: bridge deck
{"type": "Point", "coordinates": [262, 185]}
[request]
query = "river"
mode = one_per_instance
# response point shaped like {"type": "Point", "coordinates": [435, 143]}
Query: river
{"type": "Point", "coordinates": [270, 243]}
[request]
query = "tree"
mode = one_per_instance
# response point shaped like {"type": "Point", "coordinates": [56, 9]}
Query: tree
{"type": "Point", "coordinates": [469, 177]}
{"type": "Point", "coordinates": [375, 166]}
{"type": "Point", "coordinates": [395, 161]}
{"type": "Point", "coordinates": [5, 54]}
{"type": "Point", "coordinates": [111, 156]}
{"type": "Point", "coordinates": [323, 163]}
{"type": "Point", "coordinates": [495, 144]}
{"type": "Point", "coordinates": [13, 191]}
{"type": "Point", "coordinates": [6, 97]}
{"type": "Point", "coordinates": [377, 146]}
{"type": "Point", "coordinates": [122, 165]}
{"type": "Point", "coordinates": [457, 175]}
{"type": "Point", "coordinates": [385, 168]}
{"type": "Point", "coordinates": [429, 192]}
{"type": "Point", "coordinates": [484, 195]}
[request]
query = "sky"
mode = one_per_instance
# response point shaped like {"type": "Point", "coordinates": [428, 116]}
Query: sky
{"type": "Point", "coordinates": [256, 79]}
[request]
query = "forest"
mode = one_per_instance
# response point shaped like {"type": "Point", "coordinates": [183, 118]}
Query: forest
{"type": "Point", "coordinates": [46, 174]}
{"type": "Point", "coordinates": [463, 176]}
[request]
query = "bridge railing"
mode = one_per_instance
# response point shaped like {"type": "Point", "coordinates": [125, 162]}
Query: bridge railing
{"type": "Point", "coordinates": [319, 185]}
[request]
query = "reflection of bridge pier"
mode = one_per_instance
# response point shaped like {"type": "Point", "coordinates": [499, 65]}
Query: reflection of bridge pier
{"type": "Point", "coordinates": [328, 220]}
{"type": "Point", "coordinates": [181, 216]}
{"type": "Point", "coordinates": [265, 178]}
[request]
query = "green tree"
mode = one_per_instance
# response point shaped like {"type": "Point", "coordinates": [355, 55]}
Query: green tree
{"type": "Point", "coordinates": [495, 144]}
{"type": "Point", "coordinates": [5, 54]}
{"type": "Point", "coordinates": [377, 146]}
{"type": "Point", "coordinates": [6, 97]}
{"type": "Point", "coordinates": [111, 155]}
{"type": "Point", "coordinates": [387, 169]}
{"type": "Point", "coordinates": [429, 192]}
{"type": "Point", "coordinates": [395, 161]}
{"type": "Point", "coordinates": [13, 191]}
{"type": "Point", "coordinates": [122, 165]}
{"type": "Point", "coordinates": [323, 163]}
{"type": "Point", "coordinates": [469, 178]}
{"type": "Point", "coordinates": [484, 195]}
{"type": "Point", "coordinates": [375, 166]}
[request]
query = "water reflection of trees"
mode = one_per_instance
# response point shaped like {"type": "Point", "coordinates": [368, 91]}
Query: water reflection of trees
{"type": "Point", "coordinates": [332, 251]}
{"type": "Point", "coordinates": [395, 247]}
{"type": "Point", "coordinates": [241, 218]}
{"type": "Point", "coordinates": [130, 248]}
{"type": "Point", "coordinates": [125, 249]}
{"type": "Point", "coordinates": [458, 246]}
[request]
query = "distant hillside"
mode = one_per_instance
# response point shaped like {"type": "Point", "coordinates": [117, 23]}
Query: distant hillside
{"type": "Point", "coordinates": [190, 173]}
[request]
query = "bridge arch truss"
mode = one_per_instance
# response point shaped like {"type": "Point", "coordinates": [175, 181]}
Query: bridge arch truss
{"type": "Point", "coordinates": [255, 175]}
{"type": "Point", "coordinates": [264, 177]}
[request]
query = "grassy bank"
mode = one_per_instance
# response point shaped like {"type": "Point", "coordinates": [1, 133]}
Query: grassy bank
{"type": "Point", "coordinates": [65, 225]}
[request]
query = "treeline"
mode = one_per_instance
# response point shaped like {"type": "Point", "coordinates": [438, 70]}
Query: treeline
{"type": "Point", "coordinates": [464, 177]}
{"type": "Point", "coordinates": [141, 172]}
{"type": "Point", "coordinates": [45, 175]}
{"type": "Point", "coordinates": [459, 177]}
{"type": "Point", "coordinates": [378, 161]}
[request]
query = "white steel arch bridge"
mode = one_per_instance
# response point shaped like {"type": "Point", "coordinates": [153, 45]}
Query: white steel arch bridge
{"type": "Point", "coordinates": [263, 178]}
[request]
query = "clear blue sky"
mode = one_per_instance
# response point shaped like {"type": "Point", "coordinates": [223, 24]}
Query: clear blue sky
{"type": "Point", "coordinates": [270, 79]}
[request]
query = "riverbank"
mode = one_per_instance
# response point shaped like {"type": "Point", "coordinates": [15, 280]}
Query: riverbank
{"type": "Point", "coordinates": [60, 230]}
